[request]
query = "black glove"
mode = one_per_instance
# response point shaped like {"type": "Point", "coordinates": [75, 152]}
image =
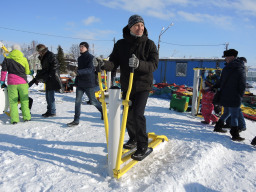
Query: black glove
{"type": "Point", "coordinates": [32, 82]}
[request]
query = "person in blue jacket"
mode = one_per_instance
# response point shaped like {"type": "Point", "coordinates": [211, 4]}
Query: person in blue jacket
{"type": "Point", "coordinates": [85, 82]}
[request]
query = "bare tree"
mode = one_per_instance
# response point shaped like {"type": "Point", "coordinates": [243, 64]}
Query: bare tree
{"type": "Point", "coordinates": [74, 51]}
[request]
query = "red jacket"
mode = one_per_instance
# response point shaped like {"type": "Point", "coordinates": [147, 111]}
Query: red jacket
{"type": "Point", "coordinates": [207, 97]}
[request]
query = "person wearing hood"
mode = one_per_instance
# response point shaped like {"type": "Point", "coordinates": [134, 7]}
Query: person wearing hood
{"type": "Point", "coordinates": [17, 67]}
{"type": "Point", "coordinates": [232, 87]}
{"type": "Point", "coordinates": [50, 75]}
{"type": "Point", "coordinates": [136, 51]}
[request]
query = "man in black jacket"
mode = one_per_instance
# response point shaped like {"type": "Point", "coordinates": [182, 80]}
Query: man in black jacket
{"type": "Point", "coordinates": [50, 75]}
{"type": "Point", "coordinates": [232, 86]}
{"type": "Point", "coordinates": [137, 51]}
{"type": "Point", "coordinates": [85, 82]}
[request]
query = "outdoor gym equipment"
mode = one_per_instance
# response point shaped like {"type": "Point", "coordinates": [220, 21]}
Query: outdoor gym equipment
{"type": "Point", "coordinates": [119, 159]}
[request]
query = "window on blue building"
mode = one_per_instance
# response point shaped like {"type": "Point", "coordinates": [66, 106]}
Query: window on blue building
{"type": "Point", "coordinates": [181, 69]}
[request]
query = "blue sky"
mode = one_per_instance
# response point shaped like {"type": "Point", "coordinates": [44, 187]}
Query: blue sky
{"type": "Point", "coordinates": [201, 28]}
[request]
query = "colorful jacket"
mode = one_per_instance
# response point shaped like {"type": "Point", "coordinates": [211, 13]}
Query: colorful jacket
{"type": "Point", "coordinates": [17, 67]}
{"type": "Point", "coordinates": [207, 97]}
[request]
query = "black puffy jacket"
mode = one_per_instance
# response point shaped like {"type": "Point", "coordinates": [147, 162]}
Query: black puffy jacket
{"type": "Point", "coordinates": [50, 71]}
{"type": "Point", "coordinates": [86, 76]}
{"type": "Point", "coordinates": [145, 50]}
{"type": "Point", "coordinates": [233, 83]}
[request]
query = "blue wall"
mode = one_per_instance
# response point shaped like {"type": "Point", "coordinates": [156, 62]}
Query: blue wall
{"type": "Point", "coordinates": [166, 71]}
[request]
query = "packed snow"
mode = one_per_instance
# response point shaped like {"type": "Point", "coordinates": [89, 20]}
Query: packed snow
{"type": "Point", "coordinates": [46, 155]}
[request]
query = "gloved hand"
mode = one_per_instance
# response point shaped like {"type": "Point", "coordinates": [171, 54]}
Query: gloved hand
{"type": "Point", "coordinates": [31, 72]}
{"type": "Point", "coordinates": [97, 61]}
{"type": "Point", "coordinates": [134, 62]}
{"type": "Point", "coordinates": [32, 82]}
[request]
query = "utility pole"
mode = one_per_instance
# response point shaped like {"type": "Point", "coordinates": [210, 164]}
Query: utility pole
{"type": "Point", "coordinates": [227, 45]}
{"type": "Point", "coordinates": [161, 33]}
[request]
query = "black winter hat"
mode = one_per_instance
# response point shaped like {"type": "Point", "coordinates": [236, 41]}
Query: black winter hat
{"type": "Point", "coordinates": [230, 52]}
{"type": "Point", "coordinates": [84, 44]}
{"type": "Point", "coordinates": [134, 19]}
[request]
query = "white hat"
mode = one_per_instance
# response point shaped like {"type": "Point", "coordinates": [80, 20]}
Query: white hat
{"type": "Point", "coordinates": [16, 46]}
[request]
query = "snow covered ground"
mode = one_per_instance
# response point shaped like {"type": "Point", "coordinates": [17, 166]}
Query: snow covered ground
{"type": "Point", "coordinates": [46, 155]}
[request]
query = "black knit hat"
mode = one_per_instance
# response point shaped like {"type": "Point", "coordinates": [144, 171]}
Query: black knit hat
{"type": "Point", "coordinates": [135, 19]}
{"type": "Point", "coordinates": [84, 44]}
{"type": "Point", "coordinates": [230, 52]}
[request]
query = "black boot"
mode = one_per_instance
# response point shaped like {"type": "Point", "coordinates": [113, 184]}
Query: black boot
{"type": "Point", "coordinates": [218, 127]}
{"type": "Point", "coordinates": [235, 134]}
{"type": "Point", "coordinates": [253, 141]}
{"type": "Point", "coordinates": [227, 126]}
{"type": "Point", "coordinates": [130, 144]}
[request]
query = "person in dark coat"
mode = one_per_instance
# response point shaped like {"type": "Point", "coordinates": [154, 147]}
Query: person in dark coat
{"type": "Point", "coordinates": [50, 75]}
{"type": "Point", "coordinates": [135, 50]}
{"type": "Point", "coordinates": [241, 120]}
{"type": "Point", "coordinates": [232, 86]}
{"type": "Point", "coordinates": [85, 82]}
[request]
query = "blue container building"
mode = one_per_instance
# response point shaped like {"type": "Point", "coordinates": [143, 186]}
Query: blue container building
{"type": "Point", "coordinates": [180, 71]}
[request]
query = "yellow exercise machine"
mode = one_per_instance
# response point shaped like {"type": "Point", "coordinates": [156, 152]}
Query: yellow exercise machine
{"type": "Point", "coordinates": [122, 161]}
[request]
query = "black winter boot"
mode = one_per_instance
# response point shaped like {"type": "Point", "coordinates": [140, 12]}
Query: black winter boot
{"type": "Point", "coordinates": [218, 127]}
{"type": "Point", "coordinates": [235, 134]}
{"type": "Point", "coordinates": [253, 141]}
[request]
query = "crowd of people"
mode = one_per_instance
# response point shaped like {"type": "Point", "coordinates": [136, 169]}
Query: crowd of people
{"type": "Point", "coordinates": [135, 51]}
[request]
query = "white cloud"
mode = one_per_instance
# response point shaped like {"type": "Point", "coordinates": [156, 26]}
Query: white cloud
{"type": "Point", "coordinates": [155, 8]}
{"type": "Point", "coordinates": [90, 20]}
{"type": "Point", "coordinates": [219, 12]}
{"type": "Point", "coordinates": [249, 6]}
{"type": "Point", "coordinates": [95, 34]}
{"type": "Point", "coordinates": [223, 21]}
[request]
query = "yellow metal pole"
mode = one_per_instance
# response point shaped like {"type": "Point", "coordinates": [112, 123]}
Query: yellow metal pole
{"type": "Point", "coordinates": [104, 106]}
{"type": "Point", "coordinates": [5, 49]}
{"type": "Point", "coordinates": [124, 121]}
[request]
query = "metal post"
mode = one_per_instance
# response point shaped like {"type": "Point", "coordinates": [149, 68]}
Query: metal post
{"type": "Point", "coordinates": [114, 127]}
{"type": "Point", "coordinates": [161, 33]}
{"type": "Point", "coordinates": [195, 91]}
{"type": "Point", "coordinates": [109, 79]}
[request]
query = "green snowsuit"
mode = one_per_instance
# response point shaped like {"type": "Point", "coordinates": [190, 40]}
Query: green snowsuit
{"type": "Point", "coordinates": [18, 68]}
